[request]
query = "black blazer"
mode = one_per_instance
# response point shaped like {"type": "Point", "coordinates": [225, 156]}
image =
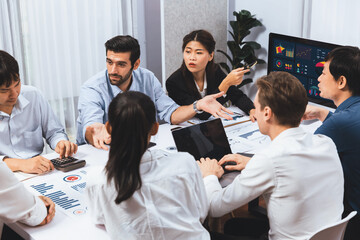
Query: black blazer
{"type": "Point", "coordinates": [180, 93]}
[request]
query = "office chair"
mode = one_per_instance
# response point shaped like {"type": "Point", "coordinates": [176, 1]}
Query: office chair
{"type": "Point", "coordinates": [334, 231]}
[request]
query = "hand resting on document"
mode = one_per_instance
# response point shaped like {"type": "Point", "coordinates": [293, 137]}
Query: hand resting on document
{"type": "Point", "coordinates": [50, 206]}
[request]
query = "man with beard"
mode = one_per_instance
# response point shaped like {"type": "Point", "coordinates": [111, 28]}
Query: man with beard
{"type": "Point", "coordinates": [124, 74]}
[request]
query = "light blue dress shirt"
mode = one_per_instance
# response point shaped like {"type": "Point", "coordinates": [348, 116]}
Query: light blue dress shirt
{"type": "Point", "coordinates": [31, 120]}
{"type": "Point", "coordinates": [97, 93]}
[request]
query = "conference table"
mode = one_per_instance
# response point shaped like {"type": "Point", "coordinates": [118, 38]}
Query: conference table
{"type": "Point", "coordinates": [72, 219]}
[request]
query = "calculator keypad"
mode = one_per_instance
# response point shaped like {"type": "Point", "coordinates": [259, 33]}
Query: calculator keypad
{"type": "Point", "coordinates": [64, 160]}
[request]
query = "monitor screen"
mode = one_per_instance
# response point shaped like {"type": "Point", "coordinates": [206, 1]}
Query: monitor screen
{"type": "Point", "coordinates": [301, 57]}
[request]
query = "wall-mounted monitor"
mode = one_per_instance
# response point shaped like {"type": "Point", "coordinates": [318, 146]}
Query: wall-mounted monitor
{"type": "Point", "coordinates": [301, 57]}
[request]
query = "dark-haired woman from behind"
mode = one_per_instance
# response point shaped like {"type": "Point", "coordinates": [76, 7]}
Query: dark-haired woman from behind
{"type": "Point", "coordinates": [144, 193]}
{"type": "Point", "coordinates": [199, 76]}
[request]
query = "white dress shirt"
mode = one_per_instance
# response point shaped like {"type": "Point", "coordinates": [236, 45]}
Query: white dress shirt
{"type": "Point", "coordinates": [171, 203]}
{"type": "Point", "coordinates": [31, 120]}
{"type": "Point", "coordinates": [204, 91]}
{"type": "Point", "coordinates": [300, 177]}
{"type": "Point", "coordinates": [16, 203]}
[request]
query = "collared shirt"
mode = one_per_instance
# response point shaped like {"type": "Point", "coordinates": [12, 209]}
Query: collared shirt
{"type": "Point", "coordinates": [343, 127]}
{"type": "Point", "coordinates": [204, 91]}
{"type": "Point", "coordinates": [300, 177]}
{"type": "Point", "coordinates": [97, 93]}
{"type": "Point", "coordinates": [18, 204]}
{"type": "Point", "coordinates": [31, 120]}
{"type": "Point", "coordinates": [171, 203]}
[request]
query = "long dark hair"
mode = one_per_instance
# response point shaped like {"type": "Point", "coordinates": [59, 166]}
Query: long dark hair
{"type": "Point", "coordinates": [131, 117]}
{"type": "Point", "coordinates": [207, 40]}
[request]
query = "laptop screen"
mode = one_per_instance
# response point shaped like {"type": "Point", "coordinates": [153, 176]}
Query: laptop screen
{"type": "Point", "coordinates": [207, 139]}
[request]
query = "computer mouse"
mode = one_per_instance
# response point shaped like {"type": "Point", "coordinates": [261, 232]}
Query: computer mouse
{"type": "Point", "coordinates": [228, 163]}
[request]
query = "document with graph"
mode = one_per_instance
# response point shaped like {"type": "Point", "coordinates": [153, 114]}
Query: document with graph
{"type": "Point", "coordinates": [66, 190]}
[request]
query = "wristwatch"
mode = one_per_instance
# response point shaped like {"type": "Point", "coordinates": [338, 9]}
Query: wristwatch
{"type": "Point", "coordinates": [195, 108]}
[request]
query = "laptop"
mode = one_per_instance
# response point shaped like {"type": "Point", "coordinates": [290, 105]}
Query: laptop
{"type": "Point", "coordinates": [206, 139]}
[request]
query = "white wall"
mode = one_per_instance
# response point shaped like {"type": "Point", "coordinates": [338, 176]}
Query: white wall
{"type": "Point", "coordinates": [280, 16]}
{"type": "Point", "coordinates": [335, 21]}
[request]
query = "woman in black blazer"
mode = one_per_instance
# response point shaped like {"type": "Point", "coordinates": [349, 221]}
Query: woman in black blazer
{"type": "Point", "coordinates": [199, 76]}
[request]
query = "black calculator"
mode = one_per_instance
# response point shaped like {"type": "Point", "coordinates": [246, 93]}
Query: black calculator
{"type": "Point", "coordinates": [66, 164]}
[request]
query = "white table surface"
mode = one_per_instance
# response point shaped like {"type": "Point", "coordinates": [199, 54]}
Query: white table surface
{"type": "Point", "coordinates": [63, 226]}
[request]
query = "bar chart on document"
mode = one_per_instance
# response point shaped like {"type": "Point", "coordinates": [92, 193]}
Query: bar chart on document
{"type": "Point", "coordinates": [65, 190]}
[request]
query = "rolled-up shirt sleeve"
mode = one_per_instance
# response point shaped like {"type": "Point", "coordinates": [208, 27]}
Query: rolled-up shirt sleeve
{"type": "Point", "coordinates": [91, 110]}
{"type": "Point", "coordinates": [18, 204]}
{"type": "Point", "coordinates": [165, 106]}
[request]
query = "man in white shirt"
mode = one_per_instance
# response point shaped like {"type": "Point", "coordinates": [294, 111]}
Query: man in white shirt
{"type": "Point", "coordinates": [299, 174]}
{"type": "Point", "coordinates": [25, 119]}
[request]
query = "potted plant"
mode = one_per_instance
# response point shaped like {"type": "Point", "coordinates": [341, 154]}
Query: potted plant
{"type": "Point", "coordinates": [242, 52]}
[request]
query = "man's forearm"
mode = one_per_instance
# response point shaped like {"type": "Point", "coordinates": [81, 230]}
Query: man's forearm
{"type": "Point", "coordinates": [13, 163]}
{"type": "Point", "coordinates": [323, 114]}
{"type": "Point", "coordinates": [182, 114]}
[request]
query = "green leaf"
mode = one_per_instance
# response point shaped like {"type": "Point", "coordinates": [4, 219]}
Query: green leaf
{"type": "Point", "coordinates": [233, 36]}
{"type": "Point", "coordinates": [226, 55]}
{"type": "Point", "coordinates": [253, 44]}
{"type": "Point", "coordinates": [248, 50]}
{"type": "Point", "coordinates": [242, 51]}
{"type": "Point", "coordinates": [225, 66]}
{"type": "Point", "coordinates": [260, 61]}
{"type": "Point", "coordinates": [234, 48]}
{"type": "Point", "coordinates": [244, 82]}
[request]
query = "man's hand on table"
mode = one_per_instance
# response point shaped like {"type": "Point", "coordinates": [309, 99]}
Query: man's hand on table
{"type": "Point", "coordinates": [37, 164]}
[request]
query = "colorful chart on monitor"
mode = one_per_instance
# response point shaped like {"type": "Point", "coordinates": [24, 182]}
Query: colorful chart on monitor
{"type": "Point", "coordinates": [279, 64]}
{"type": "Point", "coordinates": [284, 49]}
{"type": "Point", "coordinates": [319, 67]}
{"type": "Point", "coordinates": [314, 91]}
